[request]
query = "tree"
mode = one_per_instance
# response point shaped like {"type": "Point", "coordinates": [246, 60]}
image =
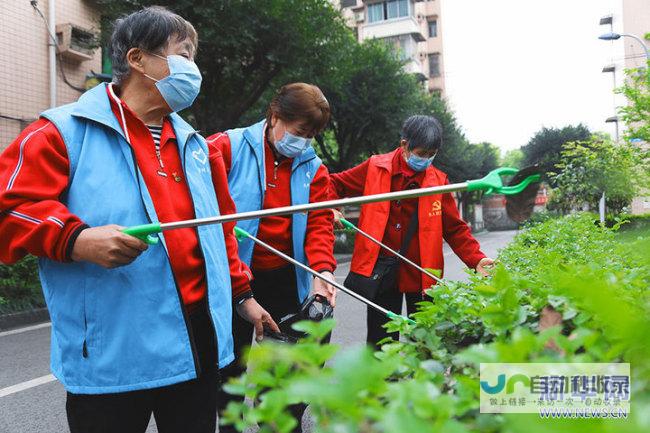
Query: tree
{"type": "Point", "coordinates": [587, 169]}
{"type": "Point", "coordinates": [248, 48]}
{"type": "Point", "coordinates": [513, 158]}
{"type": "Point", "coordinates": [546, 145]}
{"type": "Point", "coordinates": [636, 114]}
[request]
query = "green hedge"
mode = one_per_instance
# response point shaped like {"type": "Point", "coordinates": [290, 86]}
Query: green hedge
{"type": "Point", "coordinates": [429, 381]}
{"type": "Point", "coordinates": [20, 288]}
{"type": "Point", "coordinates": [633, 222]}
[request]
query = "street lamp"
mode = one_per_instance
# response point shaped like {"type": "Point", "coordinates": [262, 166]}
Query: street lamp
{"type": "Point", "coordinates": [615, 36]}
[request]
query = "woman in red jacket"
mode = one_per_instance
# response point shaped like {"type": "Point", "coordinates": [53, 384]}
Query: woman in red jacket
{"type": "Point", "coordinates": [408, 166]}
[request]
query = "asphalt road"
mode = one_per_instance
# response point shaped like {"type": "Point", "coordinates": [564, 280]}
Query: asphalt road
{"type": "Point", "coordinates": [32, 401]}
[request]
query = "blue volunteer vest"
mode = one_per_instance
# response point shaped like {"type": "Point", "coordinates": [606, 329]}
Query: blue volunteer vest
{"type": "Point", "coordinates": [123, 329]}
{"type": "Point", "coordinates": [247, 183]}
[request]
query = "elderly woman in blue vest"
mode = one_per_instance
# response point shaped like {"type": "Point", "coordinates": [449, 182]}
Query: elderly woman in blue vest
{"type": "Point", "coordinates": [135, 330]}
{"type": "Point", "coordinates": [272, 164]}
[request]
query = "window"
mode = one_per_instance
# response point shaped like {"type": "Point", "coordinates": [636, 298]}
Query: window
{"type": "Point", "coordinates": [392, 9]}
{"type": "Point", "coordinates": [397, 8]}
{"type": "Point", "coordinates": [434, 65]}
{"type": "Point", "coordinates": [402, 45]}
{"type": "Point", "coordinates": [348, 3]}
{"type": "Point", "coordinates": [403, 8]}
{"type": "Point", "coordinates": [388, 10]}
{"type": "Point", "coordinates": [433, 28]}
{"type": "Point", "coordinates": [375, 12]}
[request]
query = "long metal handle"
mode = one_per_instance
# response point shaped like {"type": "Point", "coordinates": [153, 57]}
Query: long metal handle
{"type": "Point", "coordinates": [143, 232]}
{"type": "Point", "coordinates": [348, 224]}
{"type": "Point", "coordinates": [329, 204]}
{"type": "Point", "coordinates": [492, 183]}
{"type": "Point", "coordinates": [243, 233]}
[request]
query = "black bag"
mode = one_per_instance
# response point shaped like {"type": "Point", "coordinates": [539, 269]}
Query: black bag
{"type": "Point", "coordinates": [384, 275]}
{"type": "Point", "coordinates": [315, 308]}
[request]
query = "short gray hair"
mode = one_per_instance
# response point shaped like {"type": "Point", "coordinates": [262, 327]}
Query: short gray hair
{"type": "Point", "coordinates": [422, 132]}
{"type": "Point", "coordinates": [150, 29]}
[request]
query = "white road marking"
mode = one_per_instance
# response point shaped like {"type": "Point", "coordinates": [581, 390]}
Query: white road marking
{"type": "Point", "coordinates": [26, 329]}
{"type": "Point", "coordinates": [26, 385]}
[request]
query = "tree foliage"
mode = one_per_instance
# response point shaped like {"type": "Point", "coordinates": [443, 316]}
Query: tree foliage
{"type": "Point", "coordinates": [248, 48]}
{"type": "Point", "coordinates": [513, 158]}
{"type": "Point", "coordinates": [545, 146]}
{"type": "Point", "coordinates": [636, 114]}
{"type": "Point", "coordinates": [587, 169]}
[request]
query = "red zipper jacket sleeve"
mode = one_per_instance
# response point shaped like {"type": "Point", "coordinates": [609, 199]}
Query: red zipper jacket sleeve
{"type": "Point", "coordinates": [34, 172]}
{"type": "Point", "coordinates": [240, 274]}
{"type": "Point", "coordinates": [457, 233]}
{"type": "Point", "coordinates": [349, 183]}
{"type": "Point", "coordinates": [319, 239]}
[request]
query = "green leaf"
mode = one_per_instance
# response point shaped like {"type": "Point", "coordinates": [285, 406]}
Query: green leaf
{"type": "Point", "coordinates": [317, 330]}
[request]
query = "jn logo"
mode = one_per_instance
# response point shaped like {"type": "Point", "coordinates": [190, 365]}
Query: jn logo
{"type": "Point", "coordinates": [501, 383]}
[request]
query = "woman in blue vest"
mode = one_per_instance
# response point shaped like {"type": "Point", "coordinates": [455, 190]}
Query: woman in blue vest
{"type": "Point", "coordinates": [272, 164]}
{"type": "Point", "coordinates": [135, 330]}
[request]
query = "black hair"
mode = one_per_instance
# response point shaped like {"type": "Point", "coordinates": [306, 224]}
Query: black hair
{"type": "Point", "coordinates": [422, 132]}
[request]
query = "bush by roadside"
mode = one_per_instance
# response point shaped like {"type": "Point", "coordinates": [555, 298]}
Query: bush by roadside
{"type": "Point", "coordinates": [595, 284]}
{"type": "Point", "coordinates": [20, 288]}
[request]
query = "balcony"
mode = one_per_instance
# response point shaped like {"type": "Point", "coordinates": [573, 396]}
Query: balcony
{"type": "Point", "coordinates": [393, 27]}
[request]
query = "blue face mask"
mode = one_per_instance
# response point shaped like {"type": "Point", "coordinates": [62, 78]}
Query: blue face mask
{"type": "Point", "coordinates": [419, 163]}
{"type": "Point", "coordinates": [181, 87]}
{"type": "Point", "coordinates": [292, 145]}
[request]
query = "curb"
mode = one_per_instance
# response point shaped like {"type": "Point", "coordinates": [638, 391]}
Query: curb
{"type": "Point", "coordinates": [16, 320]}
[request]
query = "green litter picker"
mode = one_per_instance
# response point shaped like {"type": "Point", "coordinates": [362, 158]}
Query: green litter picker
{"type": "Point", "coordinates": [492, 183]}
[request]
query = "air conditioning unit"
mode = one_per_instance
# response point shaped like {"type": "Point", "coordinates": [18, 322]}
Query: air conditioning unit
{"type": "Point", "coordinates": [75, 42]}
{"type": "Point", "coordinates": [359, 17]}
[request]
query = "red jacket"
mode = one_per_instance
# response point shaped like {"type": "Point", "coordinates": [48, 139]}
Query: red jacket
{"type": "Point", "coordinates": [34, 175]}
{"type": "Point", "coordinates": [438, 218]}
{"type": "Point", "coordinates": [276, 231]}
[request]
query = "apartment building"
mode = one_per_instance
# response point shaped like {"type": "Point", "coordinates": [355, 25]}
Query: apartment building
{"type": "Point", "coordinates": [29, 81]}
{"type": "Point", "coordinates": [412, 27]}
{"type": "Point", "coordinates": [631, 17]}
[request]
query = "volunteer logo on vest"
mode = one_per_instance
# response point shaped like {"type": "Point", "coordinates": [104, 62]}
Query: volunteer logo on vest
{"type": "Point", "coordinates": [200, 156]}
{"type": "Point", "coordinates": [436, 208]}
